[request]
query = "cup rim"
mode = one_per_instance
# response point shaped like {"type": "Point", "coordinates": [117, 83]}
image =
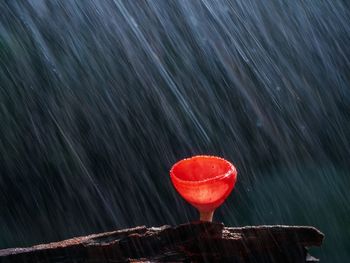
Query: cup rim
{"type": "Point", "coordinates": [232, 170]}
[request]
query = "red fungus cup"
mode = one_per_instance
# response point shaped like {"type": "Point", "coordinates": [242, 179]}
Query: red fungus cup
{"type": "Point", "coordinates": [204, 181]}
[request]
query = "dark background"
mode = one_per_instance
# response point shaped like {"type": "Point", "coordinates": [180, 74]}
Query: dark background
{"type": "Point", "coordinates": [99, 98]}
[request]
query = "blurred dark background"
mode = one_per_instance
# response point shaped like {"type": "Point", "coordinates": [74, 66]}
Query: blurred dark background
{"type": "Point", "coordinates": [99, 98]}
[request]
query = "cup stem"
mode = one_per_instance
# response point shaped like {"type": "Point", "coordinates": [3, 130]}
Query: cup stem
{"type": "Point", "coordinates": [206, 216]}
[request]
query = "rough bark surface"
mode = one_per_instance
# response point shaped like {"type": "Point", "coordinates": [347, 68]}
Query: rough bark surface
{"type": "Point", "coordinates": [193, 242]}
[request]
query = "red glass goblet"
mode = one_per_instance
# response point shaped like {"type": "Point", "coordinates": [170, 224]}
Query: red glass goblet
{"type": "Point", "coordinates": [204, 181]}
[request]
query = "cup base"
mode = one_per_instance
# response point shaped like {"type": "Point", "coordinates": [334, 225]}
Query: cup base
{"type": "Point", "coordinates": [206, 216]}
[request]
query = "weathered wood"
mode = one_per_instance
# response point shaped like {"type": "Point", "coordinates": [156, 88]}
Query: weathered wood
{"type": "Point", "coordinates": [194, 242]}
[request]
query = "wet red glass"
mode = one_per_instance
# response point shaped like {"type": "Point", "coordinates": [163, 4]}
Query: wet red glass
{"type": "Point", "coordinates": [204, 181]}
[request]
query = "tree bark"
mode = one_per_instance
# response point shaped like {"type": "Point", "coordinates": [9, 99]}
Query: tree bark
{"type": "Point", "coordinates": [193, 242]}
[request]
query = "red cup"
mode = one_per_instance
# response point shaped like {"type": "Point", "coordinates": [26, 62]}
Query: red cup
{"type": "Point", "coordinates": [204, 181]}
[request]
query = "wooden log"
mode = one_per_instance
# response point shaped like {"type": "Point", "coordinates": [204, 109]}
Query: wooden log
{"type": "Point", "coordinates": [193, 242]}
